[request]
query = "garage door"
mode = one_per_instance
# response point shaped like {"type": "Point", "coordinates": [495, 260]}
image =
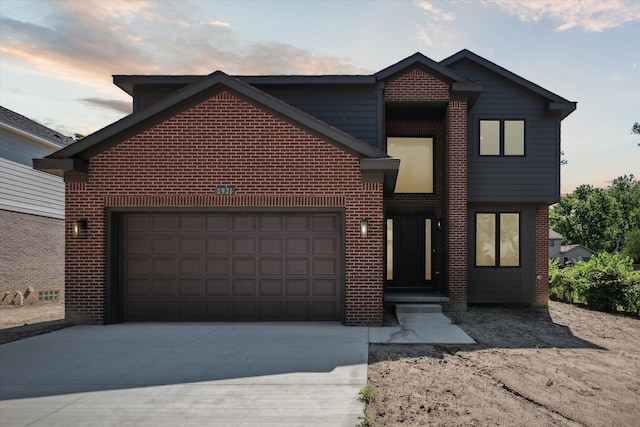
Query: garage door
{"type": "Point", "coordinates": [218, 267]}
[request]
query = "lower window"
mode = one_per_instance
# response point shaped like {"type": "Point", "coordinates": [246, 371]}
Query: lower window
{"type": "Point", "coordinates": [497, 239]}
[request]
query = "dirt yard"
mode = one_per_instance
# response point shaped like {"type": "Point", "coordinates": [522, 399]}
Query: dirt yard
{"type": "Point", "coordinates": [567, 366]}
{"type": "Point", "coordinates": [18, 322]}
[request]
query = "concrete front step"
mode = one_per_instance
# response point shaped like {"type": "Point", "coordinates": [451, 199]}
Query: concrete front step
{"type": "Point", "coordinates": [418, 308]}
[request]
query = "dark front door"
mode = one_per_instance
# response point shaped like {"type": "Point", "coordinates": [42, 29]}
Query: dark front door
{"type": "Point", "coordinates": [409, 242]}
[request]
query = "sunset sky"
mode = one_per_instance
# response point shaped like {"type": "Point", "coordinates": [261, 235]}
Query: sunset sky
{"type": "Point", "coordinates": [57, 57]}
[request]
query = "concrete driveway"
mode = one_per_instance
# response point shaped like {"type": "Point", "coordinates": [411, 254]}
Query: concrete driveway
{"type": "Point", "coordinates": [190, 374]}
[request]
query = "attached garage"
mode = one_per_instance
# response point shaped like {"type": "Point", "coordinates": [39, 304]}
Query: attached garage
{"type": "Point", "coordinates": [231, 266]}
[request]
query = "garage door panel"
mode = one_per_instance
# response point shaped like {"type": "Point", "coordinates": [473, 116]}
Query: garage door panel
{"type": "Point", "coordinates": [190, 287]}
{"type": "Point", "coordinates": [218, 287]}
{"type": "Point", "coordinates": [138, 287]}
{"type": "Point", "coordinates": [163, 245]}
{"type": "Point", "coordinates": [164, 223]}
{"type": "Point", "coordinates": [325, 245]}
{"type": "Point", "coordinates": [162, 266]}
{"type": "Point", "coordinates": [298, 288]}
{"type": "Point", "coordinates": [273, 223]}
{"type": "Point", "coordinates": [243, 245]}
{"type": "Point", "coordinates": [271, 266]}
{"type": "Point", "coordinates": [190, 266]}
{"type": "Point", "coordinates": [220, 267]}
{"type": "Point", "coordinates": [137, 245]}
{"type": "Point", "coordinates": [190, 245]}
{"type": "Point", "coordinates": [243, 266]}
{"type": "Point", "coordinates": [326, 288]}
{"type": "Point", "coordinates": [298, 245]}
{"type": "Point", "coordinates": [217, 223]}
{"type": "Point", "coordinates": [271, 288]}
{"type": "Point", "coordinates": [271, 245]}
{"type": "Point", "coordinates": [136, 266]}
{"type": "Point", "coordinates": [325, 266]}
{"type": "Point", "coordinates": [298, 266]}
{"type": "Point", "coordinates": [243, 223]}
{"type": "Point", "coordinates": [325, 223]}
{"type": "Point", "coordinates": [244, 288]}
{"type": "Point", "coordinates": [163, 288]}
{"type": "Point", "coordinates": [190, 223]}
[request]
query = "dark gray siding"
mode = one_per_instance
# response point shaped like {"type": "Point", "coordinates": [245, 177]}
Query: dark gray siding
{"type": "Point", "coordinates": [513, 285]}
{"type": "Point", "coordinates": [351, 109]}
{"type": "Point", "coordinates": [532, 178]}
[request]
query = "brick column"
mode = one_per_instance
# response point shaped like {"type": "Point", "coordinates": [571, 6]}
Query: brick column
{"type": "Point", "coordinates": [542, 256]}
{"type": "Point", "coordinates": [456, 224]}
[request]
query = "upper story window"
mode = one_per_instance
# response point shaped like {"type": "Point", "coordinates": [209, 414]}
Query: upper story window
{"type": "Point", "coordinates": [416, 163]}
{"type": "Point", "coordinates": [502, 137]}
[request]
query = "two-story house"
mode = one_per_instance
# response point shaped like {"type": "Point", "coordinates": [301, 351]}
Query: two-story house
{"type": "Point", "coordinates": [313, 197]}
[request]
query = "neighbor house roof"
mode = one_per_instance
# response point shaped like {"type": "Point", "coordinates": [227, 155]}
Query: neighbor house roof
{"type": "Point", "coordinates": [568, 248]}
{"type": "Point", "coordinates": [556, 102]}
{"type": "Point", "coordinates": [18, 123]}
{"type": "Point", "coordinates": [554, 235]}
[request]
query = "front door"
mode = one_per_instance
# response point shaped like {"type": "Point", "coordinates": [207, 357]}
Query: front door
{"type": "Point", "coordinates": [409, 252]}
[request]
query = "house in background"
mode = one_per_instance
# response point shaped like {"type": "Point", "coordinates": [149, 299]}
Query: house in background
{"type": "Point", "coordinates": [31, 212]}
{"type": "Point", "coordinates": [567, 253]}
{"type": "Point", "coordinates": [555, 244]}
{"type": "Point", "coordinates": [313, 197]}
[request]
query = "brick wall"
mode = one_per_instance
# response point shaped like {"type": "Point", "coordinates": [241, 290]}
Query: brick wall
{"type": "Point", "coordinates": [31, 255]}
{"type": "Point", "coordinates": [450, 172]}
{"type": "Point", "coordinates": [224, 141]}
{"type": "Point", "coordinates": [416, 85]}
{"type": "Point", "coordinates": [456, 219]}
{"type": "Point", "coordinates": [542, 256]}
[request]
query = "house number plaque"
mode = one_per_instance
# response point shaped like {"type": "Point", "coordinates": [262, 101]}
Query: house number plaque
{"type": "Point", "coordinates": [225, 191]}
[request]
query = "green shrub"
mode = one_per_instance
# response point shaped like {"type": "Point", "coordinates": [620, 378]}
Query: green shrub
{"type": "Point", "coordinates": [560, 282]}
{"type": "Point", "coordinates": [632, 303]}
{"type": "Point", "coordinates": [603, 282]}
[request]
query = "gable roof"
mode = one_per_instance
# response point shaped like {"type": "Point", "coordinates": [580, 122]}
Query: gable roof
{"type": "Point", "coordinates": [556, 102]}
{"type": "Point", "coordinates": [568, 248]}
{"type": "Point", "coordinates": [73, 160]}
{"type": "Point", "coordinates": [554, 235]}
{"type": "Point", "coordinates": [419, 59]}
{"type": "Point", "coordinates": [17, 122]}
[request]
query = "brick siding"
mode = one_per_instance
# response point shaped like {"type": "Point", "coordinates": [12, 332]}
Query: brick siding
{"type": "Point", "coordinates": [224, 141]}
{"type": "Point", "coordinates": [31, 256]}
{"type": "Point", "coordinates": [542, 256]}
{"type": "Point", "coordinates": [449, 200]}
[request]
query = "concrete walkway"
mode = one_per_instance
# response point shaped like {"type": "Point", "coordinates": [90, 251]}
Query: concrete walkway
{"type": "Point", "coordinates": [185, 375]}
{"type": "Point", "coordinates": [420, 328]}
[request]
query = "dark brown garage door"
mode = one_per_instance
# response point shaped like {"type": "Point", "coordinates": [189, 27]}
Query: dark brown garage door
{"type": "Point", "coordinates": [215, 267]}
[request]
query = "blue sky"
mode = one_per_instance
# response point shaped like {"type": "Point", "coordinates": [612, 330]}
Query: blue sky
{"type": "Point", "coordinates": [57, 57]}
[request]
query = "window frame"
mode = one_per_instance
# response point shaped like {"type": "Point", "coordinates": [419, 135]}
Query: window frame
{"type": "Point", "coordinates": [501, 136]}
{"type": "Point", "coordinates": [497, 239]}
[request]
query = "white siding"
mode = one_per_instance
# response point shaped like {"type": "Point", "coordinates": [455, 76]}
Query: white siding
{"type": "Point", "coordinates": [24, 189]}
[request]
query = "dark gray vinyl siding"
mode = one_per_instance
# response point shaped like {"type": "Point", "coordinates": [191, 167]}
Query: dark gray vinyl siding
{"type": "Point", "coordinates": [351, 109]}
{"type": "Point", "coordinates": [513, 285]}
{"type": "Point", "coordinates": [532, 178]}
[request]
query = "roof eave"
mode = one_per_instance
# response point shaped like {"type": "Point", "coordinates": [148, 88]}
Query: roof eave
{"type": "Point", "coordinates": [72, 170]}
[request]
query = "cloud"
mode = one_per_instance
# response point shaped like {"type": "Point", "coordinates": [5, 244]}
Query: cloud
{"type": "Point", "coordinates": [109, 104]}
{"type": "Point", "coordinates": [435, 13]}
{"type": "Point", "coordinates": [87, 41]}
{"type": "Point", "coordinates": [592, 16]}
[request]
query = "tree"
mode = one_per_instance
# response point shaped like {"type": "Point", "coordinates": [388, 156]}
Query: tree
{"type": "Point", "coordinates": [636, 129]}
{"type": "Point", "coordinates": [626, 190]}
{"type": "Point", "coordinates": [589, 216]}
{"type": "Point", "coordinates": [631, 246]}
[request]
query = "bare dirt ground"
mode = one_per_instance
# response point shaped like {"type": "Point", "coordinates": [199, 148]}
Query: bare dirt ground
{"type": "Point", "coordinates": [18, 322]}
{"type": "Point", "coordinates": [566, 366]}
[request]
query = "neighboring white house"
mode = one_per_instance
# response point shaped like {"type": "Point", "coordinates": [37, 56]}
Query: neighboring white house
{"type": "Point", "coordinates": [567, 253]}
{"type": "Point", "coordinates": [31, 212]}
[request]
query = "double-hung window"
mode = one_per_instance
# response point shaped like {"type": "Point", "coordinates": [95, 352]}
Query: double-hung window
{"type": "Point", "coordinates": [502, 137]}
{"type": "Point", "coordinates": [498, 239]}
